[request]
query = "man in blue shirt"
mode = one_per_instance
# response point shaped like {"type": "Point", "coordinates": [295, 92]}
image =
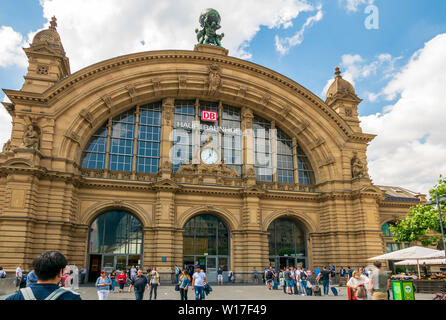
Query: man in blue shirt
{"type": "Point", "coordinates": [48, 268]}
{"type": "Point", "coordinates": [342, 272]}
{"type": "Point", "coordinates": [31, 278]}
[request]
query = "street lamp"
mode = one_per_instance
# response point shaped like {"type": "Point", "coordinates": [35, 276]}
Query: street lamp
{"type": "Point", "coordinates": [437, 202]}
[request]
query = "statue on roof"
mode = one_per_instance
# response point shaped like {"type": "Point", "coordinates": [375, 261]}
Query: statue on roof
{"type": "Point", "coordinates": [210, 23]}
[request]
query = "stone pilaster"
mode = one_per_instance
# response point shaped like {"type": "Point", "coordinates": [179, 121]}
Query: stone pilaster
{"type": "Point", "coordinates": [165, 170]}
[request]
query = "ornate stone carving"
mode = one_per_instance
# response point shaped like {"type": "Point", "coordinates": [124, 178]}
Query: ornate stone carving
{"type": "Point", "coordinates": [131, 91]}
{"type": "Point", "coordinates": [31, 138]}
{"type": "Point", "coordinates": [182, 82]}
{"type": "Point", "coordinates": [247, 117]}
{"type": "Point", "coordinates": [358, 168]}
{"type": "Point", "coordinates": [7, 146]}
{"type": "Point", "coordinates": [242, 91]}
{"type": "Point", "coordinates": [87, 116]}
{"type": "Point", "coordinates": [168, 111]}
{"type": "Point", "coordinates": [265, 98]}
{"type": "Point", "coordinates": [202, 170]}
{"type": "Point", "coordinates": [214, 81]}
{"type": "Point", "coordinates": [108, 102]}
{"type": "Point", "coordinates": [156, 83]}
{"type": "Point", "coordinates": [42, 70]}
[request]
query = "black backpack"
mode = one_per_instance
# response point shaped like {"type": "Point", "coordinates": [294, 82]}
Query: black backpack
{"type": "Point", "coordinates": [269, 274]}
{"type": "Point", "coordinates": [303, 276]}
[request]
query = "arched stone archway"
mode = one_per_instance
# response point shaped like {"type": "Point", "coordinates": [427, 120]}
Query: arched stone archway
{"type": "Point", "coordinates": [115, 241]}
{"type": "Point", "coordinates": [287, 241]}
{"type": "Point", "coordinates": [206, 243]}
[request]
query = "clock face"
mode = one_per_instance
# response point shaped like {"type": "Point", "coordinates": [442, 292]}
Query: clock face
{"type": "Point", "coordinates": [209, 156]}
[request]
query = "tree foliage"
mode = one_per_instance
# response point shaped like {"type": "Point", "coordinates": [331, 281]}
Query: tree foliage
{"type": "Point", "coordinates": [422, 223]}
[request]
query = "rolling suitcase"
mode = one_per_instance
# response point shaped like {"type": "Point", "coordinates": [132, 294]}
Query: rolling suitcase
{"type": "Point", "coordinates": [317, 290]}
{"type": "Point", "coordinates": [334, 290]}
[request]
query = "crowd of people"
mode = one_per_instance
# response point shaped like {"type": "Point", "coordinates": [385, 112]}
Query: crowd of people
{"type": "Point", "coordinates": [50, 274]}
{"type": "Point", "coordinates": [361, 284]}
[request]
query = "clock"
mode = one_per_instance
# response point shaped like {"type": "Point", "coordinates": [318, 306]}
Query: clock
{"type": "Point", "coordinates": [209, 156]}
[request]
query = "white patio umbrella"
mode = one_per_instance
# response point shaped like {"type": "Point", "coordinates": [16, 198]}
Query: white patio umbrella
{"type": "Point", "coordinates": [436, 255]}
{"type": "Point", "coordinates": [411, 253]}
{"type": "Point", "coordinates": [427, 262]}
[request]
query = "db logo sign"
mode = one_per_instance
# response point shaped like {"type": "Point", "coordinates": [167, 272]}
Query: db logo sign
{"type": "Point", "coordinates": [209, 116]}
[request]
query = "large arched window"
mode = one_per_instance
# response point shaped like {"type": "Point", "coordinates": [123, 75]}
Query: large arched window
{"type": "Point", "coordinates": [286, 239]}
{"type": "Point", "coordinates": [131, 142]}
{"type": "Point", "coordinates": [128, 142]}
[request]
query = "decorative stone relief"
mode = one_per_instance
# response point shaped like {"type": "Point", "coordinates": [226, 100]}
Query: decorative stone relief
{"type": "Point", "coordinates": [214, 81]}
{"type": "Point", "coordinates": [358, 169]}
{"type": "Point", "coordinates": [7, 146]}
{"type": "Point", "coordinates": [42, 70]}
{"type": "Point", "coordinates": [108, 102]}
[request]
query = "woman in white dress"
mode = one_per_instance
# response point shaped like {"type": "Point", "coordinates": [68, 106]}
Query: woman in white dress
{"type": "Point", "coordinates": [358, 283]}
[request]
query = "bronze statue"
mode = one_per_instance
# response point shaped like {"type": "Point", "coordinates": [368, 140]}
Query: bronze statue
{"type": "Point", "coordinates": [210, 23]}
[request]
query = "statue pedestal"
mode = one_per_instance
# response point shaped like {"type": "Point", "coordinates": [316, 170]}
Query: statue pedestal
{"type": "Point", "coordinates": [31, 155]}
{"type": "Point", "coordinates": [211, 49]}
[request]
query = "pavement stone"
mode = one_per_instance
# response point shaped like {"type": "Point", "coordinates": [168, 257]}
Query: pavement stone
{"type": "Point", "coordinates": [225, 292]}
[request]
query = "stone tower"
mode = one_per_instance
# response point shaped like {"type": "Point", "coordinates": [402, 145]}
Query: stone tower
{"type": "Point", "coordinates": [342, 98]}
{"type": "Point", "coordinates": [47, 60]}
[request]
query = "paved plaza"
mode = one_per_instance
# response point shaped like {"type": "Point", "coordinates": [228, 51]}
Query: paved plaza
{"type": "Point", "coordinates": [225, 292]}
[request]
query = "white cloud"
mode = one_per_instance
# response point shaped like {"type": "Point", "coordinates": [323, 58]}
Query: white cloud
{"type": "Point", "coordinates": [356, 68]}
{"type": "Point", "coordinates": [5, 124]}
{"type": "Point", "coordinates": [285, 44]}
{"type": "Point", "coordinates": [353, 5]}
{"type": "Point", "coordinates": [94, 30]}
{"type": "Point", "coordinates": [410, 149]}
{"type": "Point", "coordinates": [11, 52]}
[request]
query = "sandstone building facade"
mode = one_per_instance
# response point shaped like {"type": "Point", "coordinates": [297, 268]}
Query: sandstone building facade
{"type": "Point", "coordinates": [117, 165]}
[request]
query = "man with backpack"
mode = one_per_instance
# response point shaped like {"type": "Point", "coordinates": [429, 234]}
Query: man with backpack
{"type": "Point", "coordinates": [289, 281]}
{"type": "Point", "coordinates": [48, 267]}
{"type": "Point", "coordinates": [303, 280]}
{"type": "Point", "coordinates": [269, 275]}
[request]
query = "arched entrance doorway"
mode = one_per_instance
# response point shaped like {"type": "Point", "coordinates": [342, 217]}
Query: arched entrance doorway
{"type": "Point", "coordinates": [287, 245]}
{"type": "Point", "coordinates": [115, 241]}
{"type": "Point", "coordinates": [206, 242]}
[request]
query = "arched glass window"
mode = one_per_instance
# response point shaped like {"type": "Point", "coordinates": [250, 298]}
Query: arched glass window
{"type": "Point", "coordinates": [385, 228]}
{"type": "Point", "coordinates": [128, 142]}
{"type": "Point", "coordinates": [116, 232]}
{"type": "Point", "coordinates": [206, 241]}
{"type": "Point", "coordinates": [286, 238]}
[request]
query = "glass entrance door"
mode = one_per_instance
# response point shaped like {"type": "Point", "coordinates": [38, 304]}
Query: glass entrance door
{"type": "Point", "coordinates": [211, 268]}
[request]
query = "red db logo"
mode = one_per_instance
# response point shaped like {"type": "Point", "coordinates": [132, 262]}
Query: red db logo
{"type": "Point", "coordinates": [209, 116]}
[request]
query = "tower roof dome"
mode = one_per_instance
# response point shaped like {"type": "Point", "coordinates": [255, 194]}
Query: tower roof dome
{"type": "Point", "coordinates": [49, 37]}
{"type": "Point", "coordinates": [340, 86]}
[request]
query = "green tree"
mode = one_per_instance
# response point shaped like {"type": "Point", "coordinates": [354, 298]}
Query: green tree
{"type": "Point", "coordinates": [422, 223]}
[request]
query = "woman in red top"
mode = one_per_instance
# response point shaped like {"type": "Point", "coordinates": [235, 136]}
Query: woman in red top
{"type": "Point", "coordinates": [122, 280]}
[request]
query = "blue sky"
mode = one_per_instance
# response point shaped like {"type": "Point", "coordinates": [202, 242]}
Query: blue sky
{"type": "Point", "coordinates": [380, 63]}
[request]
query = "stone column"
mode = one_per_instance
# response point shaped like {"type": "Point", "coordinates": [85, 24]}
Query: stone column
{"type": "Point", "coordinates": [165, 170]}
{"type": "Point", "coordinates": [164, 243]}
{"type": "Point", "coordinates": [248, 147]}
